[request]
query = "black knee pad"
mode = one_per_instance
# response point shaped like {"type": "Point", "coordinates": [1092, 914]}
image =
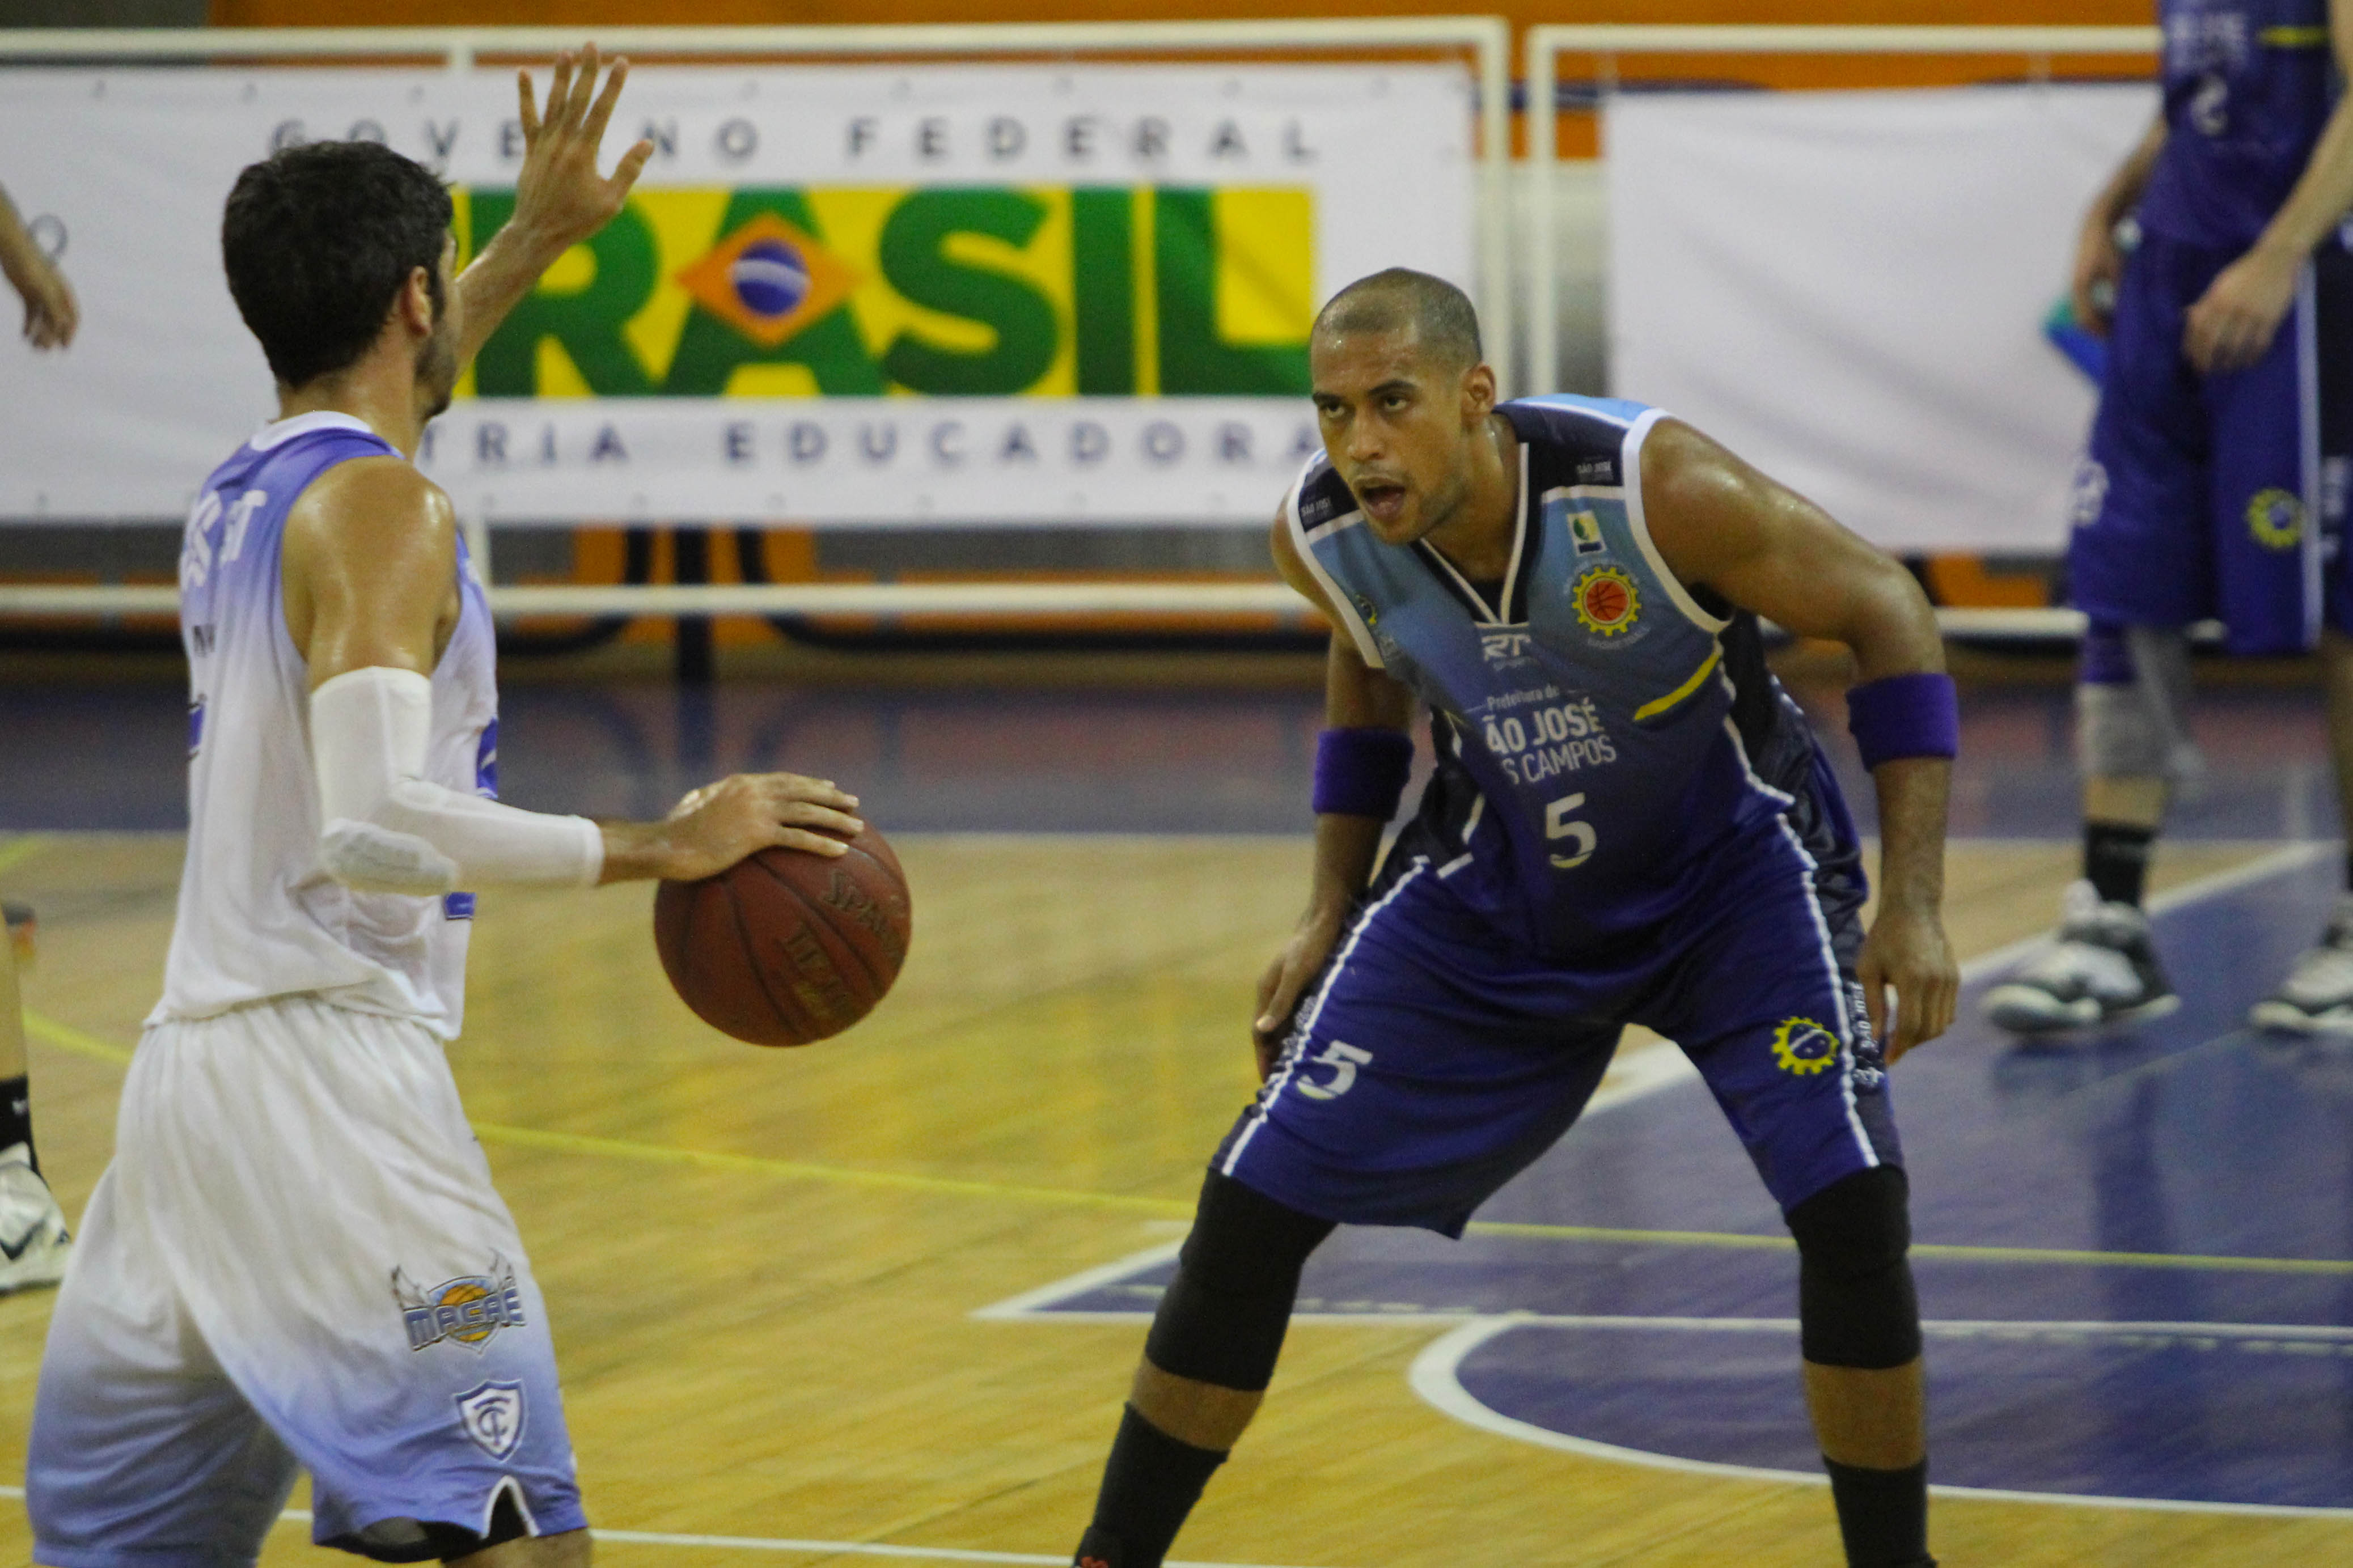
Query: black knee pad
{"type": "Point", "coordinates": [1855, 1303]}
{"type": "Point", "coordinates": [1222, 1318]}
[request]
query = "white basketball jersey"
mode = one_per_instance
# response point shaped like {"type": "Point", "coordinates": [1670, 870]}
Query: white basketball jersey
{"type": "Point", "coordinates": [257, 916]}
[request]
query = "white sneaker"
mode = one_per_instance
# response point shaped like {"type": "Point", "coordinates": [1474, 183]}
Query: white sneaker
{"type": "Point", "coordinates": [2316, 997]}
{"type": "Point", "coordinates": [2102, 969]}
{"type": "Point", "coordinates": [33, 1242]}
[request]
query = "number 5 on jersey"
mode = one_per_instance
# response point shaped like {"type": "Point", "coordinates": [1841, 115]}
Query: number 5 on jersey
{"type": "Point", "coordinates": [1344, 1060]}
{"type": "Point", "coordinates": [1581, 835]}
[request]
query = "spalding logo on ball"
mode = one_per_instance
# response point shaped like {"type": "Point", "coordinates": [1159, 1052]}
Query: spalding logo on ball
{"type": "Point", "coordinates": [786, 947]}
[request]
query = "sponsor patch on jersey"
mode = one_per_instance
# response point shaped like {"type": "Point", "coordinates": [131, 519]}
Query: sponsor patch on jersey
{"type": "Point", "coordinates": [1597, 471]}
{"type": "Point", "coordinates": [2088, 494]}
{"type": "Point", "coordinates": [1605, 600]}
{"type": "Point", "coordinates": [1803, 1046]}
{"type": "Point", "coordinates": [1585, 530]}
{"type": "Point", "coordinates": [1317, 506]}
{"type": "Point", "coordinates": [2275, 519]}
{"type": "Point", "coordinates": [1505, 650]}
{"type": "Point", "coordinates": [492, 1415]}
{"type": "Point", "coordinates": [1365, 608]}
{"type": "Point", "coordinates": [469, 1309]}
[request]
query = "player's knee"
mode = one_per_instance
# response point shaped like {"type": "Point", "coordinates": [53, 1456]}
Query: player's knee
{"type": "Point", "coordinates": [1222, 1318]}
{"type": "Point", "coordinates": [1855, 1301]}
{"type": "Point", "coordinates": [2129, 722]}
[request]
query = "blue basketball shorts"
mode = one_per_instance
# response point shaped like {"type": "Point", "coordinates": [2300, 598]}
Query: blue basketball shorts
{"type": "Point", "coordinates": [1433, 1060]}
{"type": "Point", "coordinates": [295, 1261]}
{"type": "Point", "coordinates": [2219, 496]}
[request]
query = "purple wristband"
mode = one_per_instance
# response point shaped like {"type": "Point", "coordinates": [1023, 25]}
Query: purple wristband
{"type": "Point", "coordinates": [1361, 773]}
{"type": "Point", "coordinates": [1899, 716]}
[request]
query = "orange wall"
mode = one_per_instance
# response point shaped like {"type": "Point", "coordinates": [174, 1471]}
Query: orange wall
{"type": "Point", "coordinates": [348, 13]}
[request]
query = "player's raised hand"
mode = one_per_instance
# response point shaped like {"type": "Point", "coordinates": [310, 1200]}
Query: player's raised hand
{"type": "Point", "coordinates": [718, 824]}
{"type": "Point", "coordinates": [1906, 948]}
{"type": "Point", "coordinates": [2234, 322]}
{"type": "Point", "coordinates": [1285, 977]}
{"type": "Point", "coordinates": [559, 195]}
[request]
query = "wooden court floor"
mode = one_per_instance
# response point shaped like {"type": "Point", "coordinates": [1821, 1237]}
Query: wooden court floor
{"type": "Point", "coordinates": [760, 1265]}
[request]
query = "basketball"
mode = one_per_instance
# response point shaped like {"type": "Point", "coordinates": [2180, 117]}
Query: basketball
{"type": "Point", "coordinates": [786, 947]}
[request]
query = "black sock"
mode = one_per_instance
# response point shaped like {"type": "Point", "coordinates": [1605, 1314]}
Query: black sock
{"type": "Point", "coordinates": [2116, 861]}
{"type": "Point", "coordinates": [1150, 1483]}
{"type": "Point", "coordinates": [2348, 870]}
{"type": "Point", "coordinates": [1882, 1515]}
{"type": "Point", "coordinates": [17, 1115]}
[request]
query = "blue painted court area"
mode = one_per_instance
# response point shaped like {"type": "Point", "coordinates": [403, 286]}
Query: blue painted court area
{"type": "Point", "coordinates": [2135, 1255]}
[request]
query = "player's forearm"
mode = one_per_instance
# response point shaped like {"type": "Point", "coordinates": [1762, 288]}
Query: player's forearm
{"type": "Point", "coordinates": [2321, 195]}
{"type": "Point", "coordinates": [1346, 849]}
{"type": "Point", "coordinates": [2122, 192]}
{"type": "Point", "coordinates": [19, 254]}
{"type": "Point", "coordinates": [509, 268]}
{"type": "Point", "coordinates": [1912, 802]}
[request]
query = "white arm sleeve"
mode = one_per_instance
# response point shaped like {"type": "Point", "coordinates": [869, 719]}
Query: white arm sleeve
{"type": "Point", "coordinates": [388, 830]}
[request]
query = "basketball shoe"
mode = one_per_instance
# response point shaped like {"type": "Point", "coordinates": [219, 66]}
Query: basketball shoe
{"type": "Point", "coordinates": [33, 1242]}
{"type": "Point", "coordinates": [2316, 997]}
{"type": "Point", "coordinates": [2101, 968]}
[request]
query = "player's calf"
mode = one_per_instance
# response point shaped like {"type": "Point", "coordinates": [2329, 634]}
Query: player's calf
{"type": "Point", "coordinates": [1211, 1352]}
{"type": "Point", "coordinates": [1860, 1326]}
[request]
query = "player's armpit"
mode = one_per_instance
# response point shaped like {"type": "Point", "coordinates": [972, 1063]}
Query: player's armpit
{"type": "Point", "coordinates": [370, 568]}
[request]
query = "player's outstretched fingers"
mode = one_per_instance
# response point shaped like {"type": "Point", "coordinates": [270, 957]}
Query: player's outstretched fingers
{"type": "Point", "coordinates": [601, 112]}
{"type": "Point", "coordinates": [584, 90]}
{"type": "Point", "coordinates": [526, 109]}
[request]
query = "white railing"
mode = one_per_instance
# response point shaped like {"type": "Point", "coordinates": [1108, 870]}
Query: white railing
{"type": "Point", "coordinates": [978, 600]}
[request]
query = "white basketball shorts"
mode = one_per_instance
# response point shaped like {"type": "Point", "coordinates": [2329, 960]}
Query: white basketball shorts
{"type": "Point", "coordinates": [296, 1260]}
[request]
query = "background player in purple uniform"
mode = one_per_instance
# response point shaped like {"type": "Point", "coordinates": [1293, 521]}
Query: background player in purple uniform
{"type": "Point", "coordinates": [1679, 858]}
{"type": "Point", "coordinates": [2214, 485]}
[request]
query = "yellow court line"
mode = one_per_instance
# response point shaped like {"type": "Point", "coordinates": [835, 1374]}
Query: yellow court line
{"type": "Point", "coordinates": [66, 1037]}
{"type": "Point", "coordinates": [756, 1164]}
{"type": "Point", "coordinates": [16, 851]}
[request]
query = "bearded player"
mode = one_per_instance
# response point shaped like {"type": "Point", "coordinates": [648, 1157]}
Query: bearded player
{"type": "Point", "coordinates": [296, 1259]}
{"type": "Point", "coordinates": [1628, 823]}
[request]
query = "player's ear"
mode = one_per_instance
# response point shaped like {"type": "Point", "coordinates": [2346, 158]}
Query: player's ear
{"type": "Point", "coordinates": [1478, 393]}
{"type": "Point", "coordinates": [413, 306]}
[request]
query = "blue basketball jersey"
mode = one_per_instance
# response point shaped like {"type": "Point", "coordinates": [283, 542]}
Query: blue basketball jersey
{"type": "Point", "coordinates": [2248, 85]}
{"type": "Point", "coordinates": [1602, 731]}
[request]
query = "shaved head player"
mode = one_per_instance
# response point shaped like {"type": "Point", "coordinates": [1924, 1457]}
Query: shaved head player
{"type": "Point", "coordinates": [1628, 823]}
{"type": "Point", "coordinates": [296, 1259]}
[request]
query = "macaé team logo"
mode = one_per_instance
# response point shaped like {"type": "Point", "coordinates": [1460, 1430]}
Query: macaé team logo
{"type": "Point", "coordinates": [948, 292]}
{"type": "Point", "coordinates": [469, 1309]}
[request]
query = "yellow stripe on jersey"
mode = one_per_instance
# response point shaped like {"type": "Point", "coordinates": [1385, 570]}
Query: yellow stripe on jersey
{"type": "Point", "coordinates": [1653, 709]}
{"type": "Point", "coordinates": [2294, 38]}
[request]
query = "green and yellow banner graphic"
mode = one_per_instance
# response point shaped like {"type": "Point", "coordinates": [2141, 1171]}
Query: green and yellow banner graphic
{"type": "Point", "coordinates": [848, 294]}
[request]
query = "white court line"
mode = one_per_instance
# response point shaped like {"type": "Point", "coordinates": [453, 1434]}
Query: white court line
{"type": "Point", "coordinates": [1435, 1376]}
{"type": "Point", "coordinates": [786, 1544]}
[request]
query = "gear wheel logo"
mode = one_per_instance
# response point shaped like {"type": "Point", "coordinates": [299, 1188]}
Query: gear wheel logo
{"type": "Point", "coordinates": [1605, 601]}
{"type": "Point", "coordinates": [1803, 1046]}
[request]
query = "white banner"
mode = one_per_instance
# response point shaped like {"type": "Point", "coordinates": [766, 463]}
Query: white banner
{"type": "Point", "coordinates": [1849, 290]}
{"type": "Point", "coordinates": [841, 295]}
